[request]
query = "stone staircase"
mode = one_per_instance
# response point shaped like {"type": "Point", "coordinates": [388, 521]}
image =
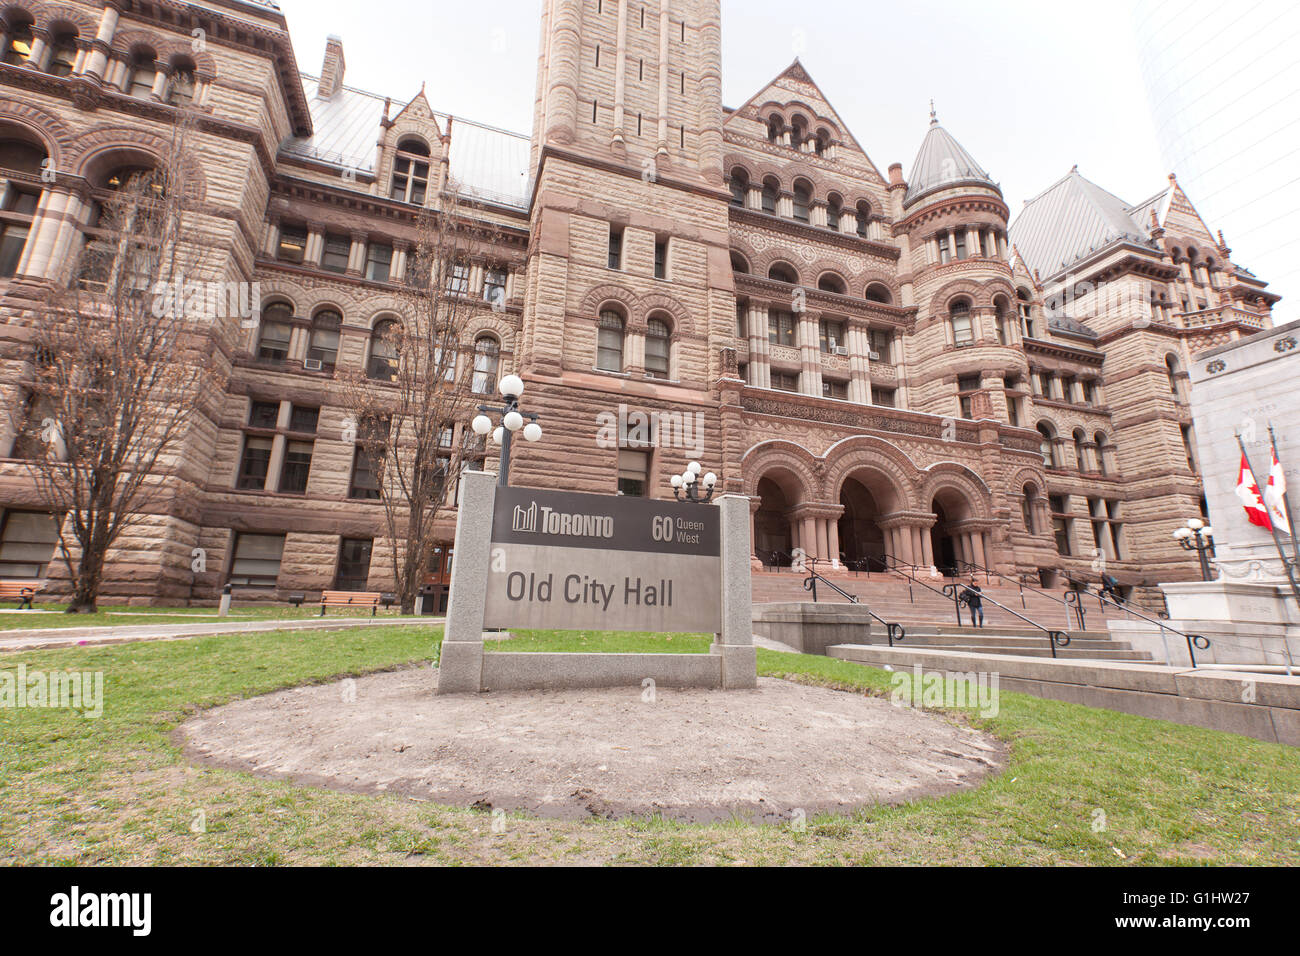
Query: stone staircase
{"type": "Point", "coordinates": [930, 619]}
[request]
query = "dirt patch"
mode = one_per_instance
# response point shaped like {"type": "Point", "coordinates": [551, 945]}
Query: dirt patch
{"type": "Point", "coordinates": [690, 755]}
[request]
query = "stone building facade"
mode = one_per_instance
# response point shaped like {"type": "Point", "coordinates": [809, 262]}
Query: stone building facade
{"type": "Point", "coordinates": [889, 367]}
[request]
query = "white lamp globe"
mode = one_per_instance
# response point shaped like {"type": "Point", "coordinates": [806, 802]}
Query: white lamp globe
{"type": "Point", "coordinates": [1182, 533]}
{"type": "Point", "coordinates": [513, 421]}
{"type": "Point", "coordinates": [1208, 531]}
{"type": "Point", "coordinates": [1196, 524]}
{"type": "Point", "coordinates": [710, 480]}
{"type": "Point", "coordinates": [677, 481]}
{"type": "Point", "coordinates": [481, 424]}
{"type": "Point", "coordinates": [512, 386]}
{"type": "Point", "coordinates": [532, 432]}
{"type": "Point", "coordinates": [496, 435]}
{"type": "Point", "coordinates": [689, 478]}
{"type": "Point", "coordinates": [693, 468]}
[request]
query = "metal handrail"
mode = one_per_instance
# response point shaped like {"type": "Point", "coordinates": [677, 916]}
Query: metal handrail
{"type": "Point", "coordinates": [1055, 639]}
{"type": "Point", "coordinates": [1020, 583]}
{"type": "Point", "coordinates": [893, 630]}
{"type": "Point", "coordinates": [1194, 641]}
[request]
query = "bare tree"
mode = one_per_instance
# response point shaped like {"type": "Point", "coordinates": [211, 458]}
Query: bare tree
{"type": "Point", "coordinates": [418, 384]}
{"type": "Point", "coordinates": [121, 363]}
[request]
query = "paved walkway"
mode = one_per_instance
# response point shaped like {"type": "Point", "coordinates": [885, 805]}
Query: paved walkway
{"type": "Point", "coordinates": [36, 638]}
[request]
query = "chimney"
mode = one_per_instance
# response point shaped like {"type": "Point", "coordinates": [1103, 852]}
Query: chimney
{"type": "Point", "coordinates": [331, 71]}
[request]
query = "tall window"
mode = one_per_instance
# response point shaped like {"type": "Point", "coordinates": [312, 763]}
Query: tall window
{"type": "Point", "coordinates": [831, 335]}
{"type": "Point", "coordinates": [494, 285]}
{"type": "Point", "coordinates": [959, 243]}
{"type": "Point", "coordinates": [863, 227]}
{"type": "Point", "coordinates": [967, 385]}
{"type": "Point", "coordinates": [780, 327]}
{"type": "Point", "coordinates": [802, 202]}
{"type": "Point", "coordinates": [324, 344]}
{"type": "Point", "coordinates": [382, 366]}
{"type": "Point", "coordinates": [336, 253]}
{"type": "Point", "coordinates": [770, 193]}
{"type": "Point", "coordinates": [1002, 321]}
{"type": "Point", "coordinates": [458, 279]}
{"type": "Point", "coordinates": [881, 344]}
{"type": "Point", "coordinates": [945, 254]}
{"type": "Point", "coordinates": [367, 468]}
{"type": "Point", "coordinates": [661, 259]}
{"type": "Point", "coordinates": [254, 464]}
{"type": "Point", "coordinates": [1080, 452]}
{"type": "Point", "coordinates": [180, 91]}
{"type": "Point", "coordinates": [615, 247]}
{"type": "Point", "coordinates": [410, 172]}
{"type": "Point", "coordinates": [963, 330]}
{"type": "Point", "coordinates": [1047, 446]}
{"type": "Point", "coordinates": [19, 48]}
{"type": "Point", "coordinates": [834, 211]}
{"type": "Point", "coordinates": [738, 183]}
{"type": "Point", "coordinates": [487, 360]}
{"type": "Point", "coordinates": [609, 342]}
{"type": "Point", "coordinates": [292, 246]}
{"type": "Point", "coordinates": [656, 348]}
{"type": "Point", "coordinates": [63, 57]}
{"type": "Point", "coordinates": [18, 208]}
{"type": "Point", "coordinates": [379, 262]}
{"type": "Point", "coordinates": [257, 560]}
{"type": "Point", "coordinates": [1028, 507]}
{"type": "Point", "coordinates": [633, 473]}
{"type": "Point", "coordinates": [296, 467]}
{"type": "Point", "coordinates": [273, 339]}
{"type": "Point", "coordinates": [144, 71]}
{"type": "Point", "coordinates": [354, 564]}
{"type": "Point", "coordinates": [1171, 370]}
{"type": "Point", "coordinates": [1026, 313]}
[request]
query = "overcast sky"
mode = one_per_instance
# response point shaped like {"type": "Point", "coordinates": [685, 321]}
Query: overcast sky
{"type": "Point", "coordinates": [1029, 88]}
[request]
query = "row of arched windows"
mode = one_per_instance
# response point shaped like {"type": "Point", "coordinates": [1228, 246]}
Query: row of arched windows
{"type": "Point", "coordinates": [839, 216]}
{"type": "Point", "coordinates": [961, 322]}
{"type": "Point", "coordinates": [611, 339]}
{"type": "Point", "coordinates": [1105, 463]}
{"type": "Point", "coordinates": [782, 271]}
{"type": "Point", "coordinates": [796, 134]}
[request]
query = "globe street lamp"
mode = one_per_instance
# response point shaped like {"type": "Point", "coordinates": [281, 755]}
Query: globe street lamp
{"type": "Point", "coordinates": [1199, 537]}
{"type": "Point", "coordinates": [690, 482]}
{"type": "Point", "coordinates": [512, 420]}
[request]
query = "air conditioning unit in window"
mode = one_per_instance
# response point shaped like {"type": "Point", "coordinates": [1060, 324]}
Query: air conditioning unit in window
{"type": "Point", "coordinates": [312, 365]}
{"type": "Point", "coordinates": [873, 356]}
{"type": "Point", "coordinates": [841, 350]}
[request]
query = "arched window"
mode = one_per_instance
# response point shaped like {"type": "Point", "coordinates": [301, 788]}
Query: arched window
{"type": "Point", "coordinates": [487, 361]}
{"type": "Point", "coordinates": [63, 53]}
{"type": "Point", "coordinates": [830, 282]}
{"type": "Point", "coordinates": [382, 366]}
{"type": "Point", "coordinates": [771, 192]}
{"type": "Point", "coordinates": [323, 347]}
{"type": "Point", "coordinates": [1025, 303]}
{"type": "Point", "coordinates": [1080, 453]}
{"type": "Point", "coordinates": [1047, 446]}
{"type": "Point", "coordinates": [802, 201]}
{"type": "Point", "coordinates": [609, 342]}
{"type": "Point", "coordinates": [1172, 367]}
{"type": "Point", "coordinates": [180, 91]}
{"type": "Point", "coordinates": [657, 346]}
{"type": "Point", "coordinates": [959, 319]}
{"type": "Point", "coordinates": [775, 127]}
{"type": "Point", "coordinates": [834, 212]}
{"type": "Point", "coordinates": [19, 48]}
{"type": "Point", "coordinates": [798, 132]}
{"type": "Point", "coordinates": [20, 201]}
{"type": "Point", "coordinates": [738, 264]}
{"type": "Point", "coordinates": [863, 227]}
{"type": "Point", "coordinates": [823, 142]}
{"type": "Point", "coordinates": [1001, 310]}
{"type": "Point", "coordinates": [783, 273]}
{"type": "Point", "coordinates": [1105, 453]}
{"type": "Point", "coordinates": [1029, 508]}
{"type": "Point", "coordinates": [738, 183]}
{"type": "Point", "coordinates": [143, 73]}
{"type": "Point", "coordinates": [878, 292]}
{"type": "Point", "coordinates": [276, 330]}
{"type": "Point", "coordinates": [410, 171]}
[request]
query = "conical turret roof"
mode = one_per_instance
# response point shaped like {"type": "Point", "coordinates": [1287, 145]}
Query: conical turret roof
{"type": "Point", "coordinates": [942, 162]}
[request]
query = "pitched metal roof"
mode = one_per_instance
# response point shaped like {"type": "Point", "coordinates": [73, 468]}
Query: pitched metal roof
{"type": "Point", "coordinates": [942, 161]}
{"type": "Point", "coordinates": [490, 164]}
{"type": "Point", "coordinates": [1075, 218]}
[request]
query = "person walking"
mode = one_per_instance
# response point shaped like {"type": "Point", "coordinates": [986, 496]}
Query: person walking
{"type": "Point", "coordinates": [972, 599]}
{"type": "Point", "coordinates": [1110, 586]}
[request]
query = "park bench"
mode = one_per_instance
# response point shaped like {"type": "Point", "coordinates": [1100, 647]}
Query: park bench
{"type": "Point", "coordinates": [22, 591]}
{"type": "Point", "coordinates": [368, 599]}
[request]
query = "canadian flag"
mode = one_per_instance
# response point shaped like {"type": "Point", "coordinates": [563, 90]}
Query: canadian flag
{"type": "Point", "coordinates": [1274, 494]}
{"type": "Point", "coordinates": [1248, 492]}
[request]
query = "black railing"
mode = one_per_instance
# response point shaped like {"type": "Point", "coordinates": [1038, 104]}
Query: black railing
{"type": "Point", "coordinates": [1055, 639]}
{"type": "Point", "coordinates": [893, 630]}
{"type": "Point", "coordinates": [1194, 641]}
{"type": "Point", "coordinates": [1019, 582]}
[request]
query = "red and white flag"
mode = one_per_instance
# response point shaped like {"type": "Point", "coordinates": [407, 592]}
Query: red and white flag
{"type": "Point", "coordinates": [1248, 492]}
{"type": "Point", "coordinates": [1274, 494]}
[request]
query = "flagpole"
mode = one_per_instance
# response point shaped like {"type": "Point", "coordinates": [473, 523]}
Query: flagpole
{"type": "Point", "coordinates": [1286, 498]}
{"type": "Point", "coordinates": [1286, 562]}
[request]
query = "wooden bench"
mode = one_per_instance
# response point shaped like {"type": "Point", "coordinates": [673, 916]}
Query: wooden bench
{"type": "Point", "coordinates": [22, 591]}
{"type": "Point", "coordinates": [368, 599]}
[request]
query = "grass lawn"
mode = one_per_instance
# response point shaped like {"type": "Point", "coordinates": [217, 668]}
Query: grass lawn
{"type": "Point", "coordinates": [125, 616]}
{"type": "Point", "coordinates": [116, 790]}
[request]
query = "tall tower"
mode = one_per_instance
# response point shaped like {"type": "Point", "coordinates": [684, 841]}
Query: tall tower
{"type": "Point", "coordinates": [629, 288]}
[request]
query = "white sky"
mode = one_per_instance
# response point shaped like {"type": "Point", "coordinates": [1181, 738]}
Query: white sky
{"type": "Point", "coordinates": [1029, 88]}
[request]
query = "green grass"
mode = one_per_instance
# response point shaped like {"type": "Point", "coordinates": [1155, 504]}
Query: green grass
{"type": "Point", "coordinates": [126, 616]}
{"type": "Point", "coordinates": [117, 791]}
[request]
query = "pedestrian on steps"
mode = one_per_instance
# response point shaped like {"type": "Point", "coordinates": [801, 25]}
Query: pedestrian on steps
{"type": "Point", "coordinates": [971, 597]}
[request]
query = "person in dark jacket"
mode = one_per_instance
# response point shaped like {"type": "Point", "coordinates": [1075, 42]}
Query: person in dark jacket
{"type": "Point", "coordinates": [1110, 588]}
{"type": "Point", "coordinates": [971, 597]}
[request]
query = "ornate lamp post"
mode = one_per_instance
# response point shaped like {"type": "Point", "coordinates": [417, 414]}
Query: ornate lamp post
{"type": "Point", "coordinates": [1199, 537]}
{"type": "Point", "coordinates": [690, 483]}
{"type": "Point", "coordinates": [512, 420]}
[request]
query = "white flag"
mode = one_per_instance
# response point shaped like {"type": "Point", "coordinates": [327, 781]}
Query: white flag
{"type": "Point", "coordinates": [1273, 495]}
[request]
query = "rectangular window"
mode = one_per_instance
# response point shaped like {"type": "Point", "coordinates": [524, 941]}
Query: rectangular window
{"type": "Point", "coordinates": [1061, 531]}
{"type": "Point", "coordinates": [661, 260]}
{"type": "Point", "coordinates": [264, 415]}
{"type": "Point", "coordinates": [633, 473]}
{"type": "Point", "coordinates": [834, 389]}
{"type": "Point", "coordinates": [293, 244]}
{"type": "Point", "coordinates": [379, 262]}
{"type": "Point", "coordinates": [944, 254]}
{"type": "Point", "coordinates": [354, 564]}
{"type": "Point", "coordinates": [458, 279]}
{"type": "Point", "coordinates": [742, 323]}
{"type": "Point", "coordinates": [296, 467]}
{"type": "Point", "coordinates": [831, 335]}
{"type": "Point", "coordinates": [960, 242]}
{"type": "Point", "coordinates": [27, 544]}
{"type": "Point", "coordinates": [615, 247]}
{"type": "Point", "coordinates": [257, 560]}
{"type": "Point", "coordinates": [494, 285]}
{"type": "Point", "coordinates": [13, 234]}
{"type": "Point", "coordinates": [784, 382]}
{"type": "Point", "coordinates": [334, 256]}
{"type": "Point", "coordinates": [883, 396]}
{"type": "Point", "coordinates": [303, 419]}
{"type": "Point", "coordinates": [963, 332]}
{"type": "Point", "coordinates": [882, 343]}
{"type": "Point", "coordinates": [366, 466]}
{"type": "Point", "coordinates": [780, 327]}
{"type": "Point", "coordinates": [273, 343]}
{"type": "Point", "coordinates": [254, 464]}
{"type": "Point", "coordinates": [968, 383]}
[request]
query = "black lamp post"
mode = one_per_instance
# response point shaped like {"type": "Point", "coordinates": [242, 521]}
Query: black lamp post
{"type": "Point", "coordinates": [512, 420]}
{"type": "Point", "coordinates": [1199, 537]}
{"type": "Point", "coordinates": [689, 486]}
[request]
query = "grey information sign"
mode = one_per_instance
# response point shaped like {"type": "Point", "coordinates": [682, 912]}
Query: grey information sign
{"type": "Point", "coordinates": [570, 561]}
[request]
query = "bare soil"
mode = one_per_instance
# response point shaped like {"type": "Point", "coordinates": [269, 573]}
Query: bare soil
{"type": "Point", "coordinates": [692, 755]}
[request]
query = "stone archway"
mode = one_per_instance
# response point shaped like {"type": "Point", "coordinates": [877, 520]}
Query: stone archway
{"type": "Point", "coordinates": [867, 495]}
{"type": "Point", "coordinates": [778, 493]}
{"type": "Point", "coordinates": [953, 543]}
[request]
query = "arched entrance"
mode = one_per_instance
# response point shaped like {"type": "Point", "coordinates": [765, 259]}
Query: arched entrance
{"type": "Point", "coordinates": [866, 496]}
{"type": "Point", "coordinates": [952, 547]}
{"type": "Point", "coordinates": [773, 541]}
